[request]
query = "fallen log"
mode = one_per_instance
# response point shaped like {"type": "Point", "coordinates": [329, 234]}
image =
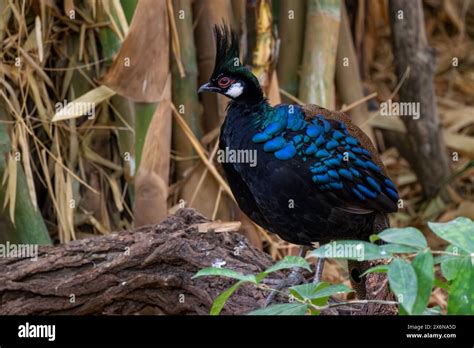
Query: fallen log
{"type": "Point", "coordinates": [143, 271]}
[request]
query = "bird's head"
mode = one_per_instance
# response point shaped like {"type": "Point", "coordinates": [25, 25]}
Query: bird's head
{"type": "Point", "coordinates": [230, 77]}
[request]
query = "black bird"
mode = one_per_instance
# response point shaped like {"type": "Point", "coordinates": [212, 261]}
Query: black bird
{"type": "Point", "coordinates": [318, 177]}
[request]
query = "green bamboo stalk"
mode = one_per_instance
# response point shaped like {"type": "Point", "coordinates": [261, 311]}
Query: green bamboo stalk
{"type": "Point", "coordinates": [276, 10]}
{"type": "Point", "coordinates": [319, 55]}
{"type": "Point", "coordinates": [184, 88]}
{"type": "Point", "coordinates": [144, 115]}
{"type": "Point", "coordinates": [29, 226]}
{"type": "Point", "coordinates": [129, 8]}
{"type": "Point", "coordinates": [291, 24]}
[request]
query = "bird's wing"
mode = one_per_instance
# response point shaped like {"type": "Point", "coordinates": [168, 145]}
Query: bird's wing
{"type": "Point", "coordinates": [338, 164]}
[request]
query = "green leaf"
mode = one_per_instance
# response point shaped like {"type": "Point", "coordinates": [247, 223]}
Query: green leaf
{"type": "Point", "coordinates": [373, 238]}
{"type": "Point", "coordinates": [283, 309]}
{"type": "Point", "coordinates": [459, 232]}
{"type": "Point", "coordinates": [332, 290]}
{"type": "Point", "coordinates": [408, 236]}
{"type": "Point", "coordinates": [376, 269]}
{"type": "Point", "coordinates": [461, 296]}
{"type": "Point", "coordinates": [351, 250]}
{"type": "Point", "coordinates": [318, 293]}
{"type": "Point", "coordinates": [423, 264]}
{"type": "Point", "coordinates": [225, 272]}
{"type": "Point", "coordinates": [314, 291]}
{"type": "Point", "coordinates": [285, 263]}
{"type": "Point", "coordinates": [398, 249]}
{"type": "Point", "coordinates": [403, 282]}
{"type": "Point", "coordinates": [306, 291]}
{"type": "Point", "coordinates": [220, 301]}
{"type": "Point", "coordinates": [440, 284]}
{"type": "Point", "coordinates": [289, 262]}
{"type": "Point", "coordinates": [450, 264]}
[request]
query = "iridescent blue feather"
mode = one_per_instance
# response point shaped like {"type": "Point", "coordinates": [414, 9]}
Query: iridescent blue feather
{"type": "Point", "coordinates": [338, 162]}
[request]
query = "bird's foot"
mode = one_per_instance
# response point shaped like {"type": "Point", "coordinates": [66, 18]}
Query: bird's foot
{"type": "Point", "coordinates": [294, 278]}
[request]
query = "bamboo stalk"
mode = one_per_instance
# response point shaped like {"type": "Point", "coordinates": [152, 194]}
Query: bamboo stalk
{"type": "Point", "coordinates": [319, 57]}
{"type": "Point", "coordinates": [264, 51]}
{"type": "Point", "coordinates": [291, 31]}
{"type": "Point", "coordinates": [184, 87]}
{"type": "Point", "coordinates": [129, 8]}
{"type": "Point", "coordinates": [151, 183]}
{"type": "Point", "coordinates": [144, 115]}
{"type": "Point", "coordinates": [126, 111]}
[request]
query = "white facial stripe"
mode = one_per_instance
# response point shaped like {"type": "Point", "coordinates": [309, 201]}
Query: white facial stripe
{"type": "Point", "coordinates": [235, 90]}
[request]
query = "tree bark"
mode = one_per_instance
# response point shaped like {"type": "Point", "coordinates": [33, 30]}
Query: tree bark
{"type": "Point", "coordinates": [411, 50]}
{"type": "Point", "coordinates": [144, 271]}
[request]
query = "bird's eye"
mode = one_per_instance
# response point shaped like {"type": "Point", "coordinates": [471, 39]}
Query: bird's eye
{"type": "Point", "coordinates": [224, 82]}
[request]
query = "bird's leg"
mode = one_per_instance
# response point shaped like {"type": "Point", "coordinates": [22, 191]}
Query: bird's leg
{"type": "Point", "coordinates": [294, 278]}
{"type": "Point", "coordinates": [319, 270]}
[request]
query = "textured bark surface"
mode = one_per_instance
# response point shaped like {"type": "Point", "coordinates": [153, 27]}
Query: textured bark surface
{"type": "Point", "coordinates": [376, 288]}
{"type": "Point", "coordinates": [427, 155]}
{"type": "Point", "coordinates": [144, 271]}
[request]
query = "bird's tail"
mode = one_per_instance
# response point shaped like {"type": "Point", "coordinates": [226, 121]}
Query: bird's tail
{"type": "Point", "coordinates": [357, 268]}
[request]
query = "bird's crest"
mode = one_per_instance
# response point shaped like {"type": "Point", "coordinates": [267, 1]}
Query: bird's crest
{"type": "Point", "coordinates": [227, 48]}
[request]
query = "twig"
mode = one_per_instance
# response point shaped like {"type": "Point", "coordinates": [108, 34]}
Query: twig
{"type": "Point", "coordinates": [346, 108]}
{"type": "Point", "coordinates": [353, 302]}
{"type": "Point", "coordinates": [291, 96]}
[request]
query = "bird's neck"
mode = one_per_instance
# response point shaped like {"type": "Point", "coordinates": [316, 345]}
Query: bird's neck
{"type": "Point", "coordinates": [255, 111]}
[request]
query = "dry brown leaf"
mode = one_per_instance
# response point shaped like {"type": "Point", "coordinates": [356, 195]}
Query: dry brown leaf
{"type": "Point", "coordinates": [140, 69]}
{"type": "Point", "coordinates": [39, 38]}
{"type": "Point", "coordinates": [466, 209]}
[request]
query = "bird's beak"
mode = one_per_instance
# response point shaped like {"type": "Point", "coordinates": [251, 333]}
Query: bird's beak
{"type": "Point", "coordinates": [207, 88]}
